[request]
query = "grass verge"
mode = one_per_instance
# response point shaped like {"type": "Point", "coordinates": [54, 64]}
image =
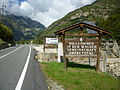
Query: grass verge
{"type": "Point", "coordinates": [79, 77]}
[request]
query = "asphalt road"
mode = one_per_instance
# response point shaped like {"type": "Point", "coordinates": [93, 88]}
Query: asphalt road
{"type": "Point", "coordinates": [19, 70]}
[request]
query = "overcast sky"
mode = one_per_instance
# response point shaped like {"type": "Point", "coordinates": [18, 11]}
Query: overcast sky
{"type": "Point", "coordinates": [44, 11]}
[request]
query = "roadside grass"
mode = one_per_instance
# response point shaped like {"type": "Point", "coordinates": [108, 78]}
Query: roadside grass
{"type": "Point", "coordinates": [79, 77]}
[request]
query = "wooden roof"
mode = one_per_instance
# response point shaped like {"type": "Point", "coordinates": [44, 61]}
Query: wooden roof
{"type": "Point", "coordinates": [81, 25]}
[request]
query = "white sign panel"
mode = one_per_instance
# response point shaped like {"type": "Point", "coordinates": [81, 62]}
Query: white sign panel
{"type": "Point", "coordinates": [60, 51]}
{"type": "Point", "coordinates": [51, 40]}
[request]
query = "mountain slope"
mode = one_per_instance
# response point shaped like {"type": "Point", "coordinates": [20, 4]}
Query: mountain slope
{"type": "Point", "coordinates": [113, 24]}
{"type": "Point", "coordinates": [23, 28]}
{"type": "Point", "coordinates": [96, 12]}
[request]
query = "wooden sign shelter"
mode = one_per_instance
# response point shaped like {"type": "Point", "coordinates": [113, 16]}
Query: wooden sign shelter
{"type": "Point", "coordinates": [81, 46]}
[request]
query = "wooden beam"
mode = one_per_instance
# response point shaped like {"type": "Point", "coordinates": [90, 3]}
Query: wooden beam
{"type": "Point", "coordinates": [67, 29]}
{"type": "Point", "coordinates": [96, 28]}
{"type": "Point", "coordinates": [83, 34]}
{"type": "Point", "coordinates": [44, 43]}
{"type": "Point", "coordinates": [82, 25]}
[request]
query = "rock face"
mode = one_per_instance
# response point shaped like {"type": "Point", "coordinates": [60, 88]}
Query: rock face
{"type": "Point", "coordinates": [112, 50]}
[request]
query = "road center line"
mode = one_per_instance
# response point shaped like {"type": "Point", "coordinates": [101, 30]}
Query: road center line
{"type": "Point", "coordinates": [21, 79]}
{"type": "Point", "coordinates": [11, 52]}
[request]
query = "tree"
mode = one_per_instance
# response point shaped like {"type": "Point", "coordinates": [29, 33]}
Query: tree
{"type": "Point", "coordinates": [6, 33]}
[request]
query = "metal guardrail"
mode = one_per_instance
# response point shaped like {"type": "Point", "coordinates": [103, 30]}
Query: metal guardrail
{"type": "Point", "coordinates": [4, 45]}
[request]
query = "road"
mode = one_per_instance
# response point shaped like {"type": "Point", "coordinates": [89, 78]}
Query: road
{"type": "Point", "coordinates": [19, 70]}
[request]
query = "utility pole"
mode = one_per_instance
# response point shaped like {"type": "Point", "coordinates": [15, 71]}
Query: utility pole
{"type": "Point", "coordinates": [3, 11]}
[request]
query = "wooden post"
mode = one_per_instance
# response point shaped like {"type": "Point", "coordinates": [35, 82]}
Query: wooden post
{"type": "Point", "coordinates": [89, 59]}
{"type": "Point", "coordinates": [44, 43]}
{"type": "Point", "coordinates": [98, 56]}
{"type": "Point", "coordinates": [64, 56]}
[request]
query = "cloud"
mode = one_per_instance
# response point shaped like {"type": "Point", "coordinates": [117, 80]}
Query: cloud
{"type": "Point", "coordinates": [44, 11]}
{"type": "Point", "coordinates": [44, 18]}
{"type": "Point", "coordinates": [40, 5]}
{"type": "Point", "coordinates": [26, 9]}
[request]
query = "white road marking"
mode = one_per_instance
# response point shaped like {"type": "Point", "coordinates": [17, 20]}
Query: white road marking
{"type": "Point", "coordinates": [21, 79]}
{"type": "Point", "coordinates": [11, 52]}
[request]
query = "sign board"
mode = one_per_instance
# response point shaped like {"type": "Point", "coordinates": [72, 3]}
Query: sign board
{"type": "Point", "coordinates": [51, 40]}
{"type": "Point", "coordinates": [81, 48]}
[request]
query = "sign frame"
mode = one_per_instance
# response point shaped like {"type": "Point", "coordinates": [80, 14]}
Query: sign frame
{"type": "Point", "coordinates": [82, 48]}
{"type": "Point", "coordinates": [50, 45]}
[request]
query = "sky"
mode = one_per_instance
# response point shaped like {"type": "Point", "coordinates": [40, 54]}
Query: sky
{"type": "Point", "coordinates": [43, 11]}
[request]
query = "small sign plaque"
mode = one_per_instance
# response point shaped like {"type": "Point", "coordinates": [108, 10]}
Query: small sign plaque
{"type": "Point", "coordinates": [51, 40]}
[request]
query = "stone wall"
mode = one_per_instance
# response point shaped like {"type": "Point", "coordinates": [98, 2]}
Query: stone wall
{"type": "Point", "coordinates": [47, 57]}
{"type": "Point", "coordinates": [113, 66]}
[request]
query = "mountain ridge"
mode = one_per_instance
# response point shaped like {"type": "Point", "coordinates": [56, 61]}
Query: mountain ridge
{"type": "Point", "coordinates": [24, 28]}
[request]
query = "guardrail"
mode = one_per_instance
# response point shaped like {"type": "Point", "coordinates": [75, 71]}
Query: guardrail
{"type": "Point", "coordinates": [4, 45]}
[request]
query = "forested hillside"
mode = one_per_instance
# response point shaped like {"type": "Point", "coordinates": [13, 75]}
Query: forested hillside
{"type": "Point", "coordinates": [23, 28]}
